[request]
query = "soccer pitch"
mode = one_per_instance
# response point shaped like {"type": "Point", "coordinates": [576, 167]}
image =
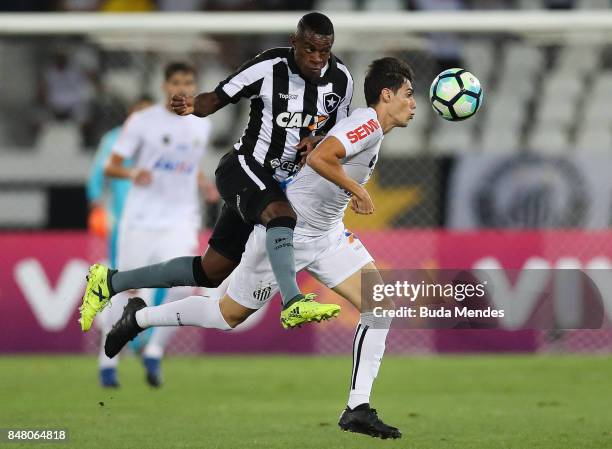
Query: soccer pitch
{"type": "Point", "coordinates": [294, 402]}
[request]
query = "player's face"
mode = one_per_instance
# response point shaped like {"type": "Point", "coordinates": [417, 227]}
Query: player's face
{"type": "Point", "coordinates": [180, 83]}
{"type": "Point", "coordinates": [312, 51]}
{"type": "Point", "coordinates": [403, 105]}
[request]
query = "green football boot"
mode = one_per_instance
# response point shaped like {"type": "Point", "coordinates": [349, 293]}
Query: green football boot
{"type": "Point", "coordinates": [304, 309]}
{"type": "Point", "coordinates": [97, 294]}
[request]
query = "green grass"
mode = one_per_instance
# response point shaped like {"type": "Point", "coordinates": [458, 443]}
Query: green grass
{"type": "Point", "coordinates": [294, 402]}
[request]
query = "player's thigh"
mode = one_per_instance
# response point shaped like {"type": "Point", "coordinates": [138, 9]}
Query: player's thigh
{"type": "Point", "coordinates": [226, 244]}
{"type": "Point", "coordinates": [135, 247]}
{"type": "Point", "coordinates": [339, 267]}
{"type": "Point", "coordinates": [350, 288]}
{"type": "Point", "coordinates": [252, 283]}
{"type": "Point", "coordinates": [275, 209]}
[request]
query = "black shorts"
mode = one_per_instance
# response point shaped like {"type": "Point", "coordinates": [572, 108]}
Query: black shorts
{"type": "Point", "coordinates": [247, 188]}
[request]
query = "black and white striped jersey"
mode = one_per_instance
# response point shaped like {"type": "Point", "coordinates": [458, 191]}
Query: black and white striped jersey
{"type": "Point", "coordinates": [285, 107]}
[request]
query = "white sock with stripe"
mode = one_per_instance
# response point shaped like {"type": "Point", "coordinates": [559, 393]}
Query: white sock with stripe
{"type": "Point", "coordinates": [192, 311]}
{"type": "Point", "coordinates": [368, 350]}
{"type": "Point", "coordinates": [161, 336]}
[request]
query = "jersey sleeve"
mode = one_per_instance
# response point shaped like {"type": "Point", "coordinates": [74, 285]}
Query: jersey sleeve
{"type": "Point", "coordinates": [131, 137]}
{"type": "Point", "coordinates": [246, 81]}
{"type": "Point", "coordinates": [356, 134]}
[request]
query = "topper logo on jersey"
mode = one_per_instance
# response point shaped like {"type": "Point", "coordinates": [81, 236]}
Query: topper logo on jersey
{"type": "Point", "coordinates": [363, 131]}
{"type": "Point", "coordinates": [287, 96]}
{"type": "Point", "coordinates": [300, 120]}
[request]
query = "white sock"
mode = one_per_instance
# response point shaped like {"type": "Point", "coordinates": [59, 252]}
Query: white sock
{"type": "Point", "coordinates": [192, 311]}
{"type": "Point", "coordinates": [368, 350]}
{"type": "Point", "coordinates": [161, 336]}
{"type": "Point", "coordinates": [110, 316]}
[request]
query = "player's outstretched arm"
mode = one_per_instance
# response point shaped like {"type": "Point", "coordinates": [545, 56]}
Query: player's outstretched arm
{"type": "Point", "coordinates": [325, 160]}
{"type": "Point", "coordinates": [201, 105]}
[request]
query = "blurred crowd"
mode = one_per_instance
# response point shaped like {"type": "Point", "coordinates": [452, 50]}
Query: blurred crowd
{"type": "Point", "coordinates": [71, 84]}
{"type": "Point", "coordinates": [71, 89]}
{"type": "Point", "coordinates": [264, 5]}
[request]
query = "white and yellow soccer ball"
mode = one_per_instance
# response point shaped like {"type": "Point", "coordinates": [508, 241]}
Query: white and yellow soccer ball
{"type": "Point", "coordinates": [456, 94]}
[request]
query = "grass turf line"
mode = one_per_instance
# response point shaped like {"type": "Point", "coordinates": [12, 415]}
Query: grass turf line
{"type": "Point", "coordinates": [547, 402]}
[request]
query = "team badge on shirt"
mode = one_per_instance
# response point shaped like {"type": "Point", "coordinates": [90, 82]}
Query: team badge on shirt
{"type": "Point", "coordinates": [263, 292]}
{"type": "Point", "coordinates": [331, 100]}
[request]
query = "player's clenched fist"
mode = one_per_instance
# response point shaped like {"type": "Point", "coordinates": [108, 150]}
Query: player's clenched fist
{"type": "Point", "coordinates": [141, 177]}
{"type": "Point", "coordinates": [361, 203]}
{"type": "Point", "coordinates": [182, 104]}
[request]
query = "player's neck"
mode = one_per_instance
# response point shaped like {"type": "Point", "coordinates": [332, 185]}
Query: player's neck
{"type": "Point", "coordinates": [386, 121]}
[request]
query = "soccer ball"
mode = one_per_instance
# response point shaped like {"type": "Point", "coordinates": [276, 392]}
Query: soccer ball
{"type": "Point", "coordinates": [456, 94]}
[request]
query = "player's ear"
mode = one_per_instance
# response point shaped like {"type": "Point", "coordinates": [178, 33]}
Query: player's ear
{"type": "Point", "coordinates": [385, 95]}
{"type": "Point", "coordinates": [292, 40]}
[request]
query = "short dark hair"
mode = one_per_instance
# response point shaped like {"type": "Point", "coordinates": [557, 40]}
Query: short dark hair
{"type": "Point", "coordinates": [175, 67]}
{"type": "Point", "coordinates": [317, 23]}
{"type": "Point", "coordinates": [385, 73]}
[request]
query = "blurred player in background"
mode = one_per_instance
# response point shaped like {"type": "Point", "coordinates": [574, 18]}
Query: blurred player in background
{"type": "Point", "coordinates": [336, 172]}
{"type": "Point", "coordinates": [161, 216]}
{"type": "Point", "coordinates": [297, 94]}
{"type": "Point", "coordinates": [104, 216]}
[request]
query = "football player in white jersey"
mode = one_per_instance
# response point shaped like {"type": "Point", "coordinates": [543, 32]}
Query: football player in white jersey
{"type": "Point", "coordinates": [161, 217]}
{"type": "Point", "coordinates": [334, 176]}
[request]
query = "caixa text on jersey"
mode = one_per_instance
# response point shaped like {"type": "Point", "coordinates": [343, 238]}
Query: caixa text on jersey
{"type": "Point", "coordinates": [300, 120]}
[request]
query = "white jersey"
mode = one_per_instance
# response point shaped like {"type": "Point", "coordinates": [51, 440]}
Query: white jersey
{"type": "Point", "coordinates": [319, 203]}
{"type": "Point", "coordinates": [170, 147]}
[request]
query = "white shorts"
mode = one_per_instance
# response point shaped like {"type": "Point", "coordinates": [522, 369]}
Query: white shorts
{"type": "Point", "coordinates": [331, 258]}
{"type": "Point", "coordinates": [141, 246]}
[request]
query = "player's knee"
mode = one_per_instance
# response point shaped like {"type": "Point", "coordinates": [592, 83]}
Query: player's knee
{"type": "Point", "coordinates": [233, 320]}
{"type": "Point", "coordinates": [276, 210]}
{"type": "Point", "coordinates": [202, 278]}
{"type": "Point", "coordinates": [232, 315]}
